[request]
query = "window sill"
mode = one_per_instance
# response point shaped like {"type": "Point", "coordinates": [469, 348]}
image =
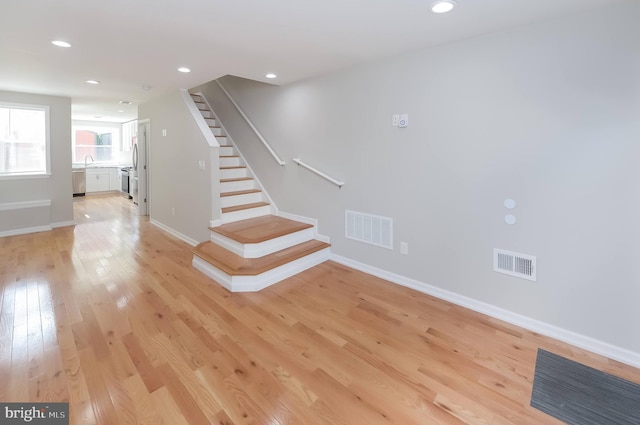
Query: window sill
{"type": "Point", "coordinates": [25, 176]}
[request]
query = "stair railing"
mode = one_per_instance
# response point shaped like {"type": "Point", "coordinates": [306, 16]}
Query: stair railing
{"type": "Point", "coordinates": [253, 127]}
{"type": "Point", "coordinates": [318, 172]}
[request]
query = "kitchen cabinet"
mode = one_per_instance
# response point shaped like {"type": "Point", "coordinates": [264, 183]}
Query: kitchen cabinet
{"type": "Point", "coordinates": [98, 179]}
{"type": "Point", "coordinates": [115, 179]}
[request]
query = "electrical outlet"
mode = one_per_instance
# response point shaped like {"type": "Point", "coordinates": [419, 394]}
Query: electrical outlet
{"type": "Point", "coordinates": [404, 248]}
{"type": "Point", "coordinates": [201, 165]}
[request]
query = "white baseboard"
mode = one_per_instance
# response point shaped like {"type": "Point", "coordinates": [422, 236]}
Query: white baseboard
{"type": "Point", "coordinates": [25, 230]}
{"type": "Point", "coordinates": [63, 224]}
{"type": "Point", "coordinates": [174, 232]}
{"type": "Point", "coordinates": [596, 346]}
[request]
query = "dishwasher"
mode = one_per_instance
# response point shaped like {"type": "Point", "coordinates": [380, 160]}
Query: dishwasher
{"type": "Point", "coordinates": [79, 178]}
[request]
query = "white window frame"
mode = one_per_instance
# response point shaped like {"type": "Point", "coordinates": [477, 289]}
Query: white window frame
{"type": "Point", "coordinates": [97, 127]}
{"type": "Point", "coordinates": [31, 174]}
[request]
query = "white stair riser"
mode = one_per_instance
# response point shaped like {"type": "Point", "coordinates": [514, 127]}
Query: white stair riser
{"type": "Point", "coordinates": [216, 131]}
{"type": "Point", "coordinates": [210, 121]}
{"type": "Point", "coordinates": [207, 115]}
{"type": "Point", "coordinates": [222, 140]}
{"type": "Point", "coordinates": [226, 150]}
{"type": "Point", "coordinates": [229, 162]}
{"type": "Point", "coordinates": [237, 185]}
{"type": "Point", "coordinates": [257, 250]}
{"type": "Point", "coordinates": [247, 198]}
{"type": "Point", "coordinates": [233, 173]}
{"type": "Point", "coordinates": [230, 217]}
{"type": "Point", "coordinates": [261, 281]}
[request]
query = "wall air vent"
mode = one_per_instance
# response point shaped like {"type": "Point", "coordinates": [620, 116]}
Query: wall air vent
{"type": "Point", "coordinates": [368, 228]}
{"type": "Point", "coordinates": [514, 264]}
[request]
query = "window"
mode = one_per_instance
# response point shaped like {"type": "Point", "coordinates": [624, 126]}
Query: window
{"type": "Point", "coordinates": [99, 142]}
{"type": "Point", "coordinates": [24, 139]}
{"type": "Point", "coordinates": [98, 146]}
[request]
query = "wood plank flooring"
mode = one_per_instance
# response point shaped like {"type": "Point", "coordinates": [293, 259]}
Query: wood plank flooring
{"type": "Point", "coordinates": [110, 316]}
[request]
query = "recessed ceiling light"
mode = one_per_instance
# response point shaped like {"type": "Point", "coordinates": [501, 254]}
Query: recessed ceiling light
{"type": "Point", "coordinates": [183, 69]}
{"type": "Point", "coordinates": [93, 81]}
{"type": "Point", "coordinates": [120, 110]}
{"type": "Point", "coordinates": [271, 75]}
{"type": "Point", "coordinates": [60, 43]}
{"type": "Point", "coordinates": [126, 102]}
{"type": "Point", "coordinates": [443, 6]}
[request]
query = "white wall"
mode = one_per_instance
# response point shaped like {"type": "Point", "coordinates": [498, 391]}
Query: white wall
{"type": "Point", "coordinates": [56, 188]}
{"type": "Point", "coordinates": [547, 114]}
{"type": "Point", "coordinates": [179, 192]}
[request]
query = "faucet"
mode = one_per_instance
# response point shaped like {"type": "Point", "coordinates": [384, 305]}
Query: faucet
{"type": "Point", "coordinates": [85, 160]}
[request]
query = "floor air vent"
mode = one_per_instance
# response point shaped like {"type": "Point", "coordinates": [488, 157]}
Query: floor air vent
{"type": "Point", "coordinates": [368, 228]}
{"type": "Point", "coordinates": [514, 264]}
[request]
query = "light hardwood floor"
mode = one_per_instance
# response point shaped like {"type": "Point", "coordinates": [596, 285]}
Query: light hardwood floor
{"type": "Point", "coordinates": [110, 316]}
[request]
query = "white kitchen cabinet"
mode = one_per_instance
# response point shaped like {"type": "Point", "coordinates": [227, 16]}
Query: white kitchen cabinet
{"type": "Point", "coordinates": [114, 179]}
{"type": "Point", "coordinates": [98, 180]}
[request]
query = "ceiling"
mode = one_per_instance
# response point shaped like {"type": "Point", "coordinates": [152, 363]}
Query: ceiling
{"type": "Point", "coordinates": [134, 47]}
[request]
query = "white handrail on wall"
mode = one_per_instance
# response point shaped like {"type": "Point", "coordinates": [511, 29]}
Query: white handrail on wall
{"type": "Point", "coordinates": [255, 130]}
{"type": "Point", "coordinates": [318, 172]}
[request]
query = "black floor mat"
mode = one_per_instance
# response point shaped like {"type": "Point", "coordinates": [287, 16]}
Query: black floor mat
{"type": "Point", "coordinates": [580, 395]}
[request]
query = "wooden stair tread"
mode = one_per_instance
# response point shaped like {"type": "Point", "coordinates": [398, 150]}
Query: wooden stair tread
{"type": "Point", "coordinates": [233, 167]}
{"type": "Point", "coordinates": [235, 265]}
{"type": "Point", "coordinates": [260, 229]}
{"type": "Point", "coordinates": [237, 179]}
{"type": "Point", "coordinates": [240, 192]}
{"type": "Point", "coordinates": [244, 207]}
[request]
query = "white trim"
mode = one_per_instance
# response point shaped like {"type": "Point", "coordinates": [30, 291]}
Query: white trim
{"type": "Point", "coordinates": [18, 176]}
{"type": "Point", "coordinates": [63, 224]}
{"type": "Point", "coordinates": [174, 232]}
{"type": "Point", "coordinates": [8, 206]}
{"type": "Point", "coordinates": [25, 230]}
{"type": "Point", "coordinates": [599, 347]}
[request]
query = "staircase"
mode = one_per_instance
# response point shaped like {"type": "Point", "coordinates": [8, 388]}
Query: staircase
{"type": "Point", "coordinates": [253, 247]}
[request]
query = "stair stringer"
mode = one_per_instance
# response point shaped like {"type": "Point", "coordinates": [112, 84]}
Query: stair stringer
{"type": "Point", "coordinates": [269, 199]}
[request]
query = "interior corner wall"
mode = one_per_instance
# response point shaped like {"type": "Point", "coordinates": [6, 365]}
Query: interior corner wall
{"type": "Point", "coordinates": [56, 188]}
{"type": "Point", "coordinates": [179, 191]}
{"type": "Point", "coordinates": [547, 115]}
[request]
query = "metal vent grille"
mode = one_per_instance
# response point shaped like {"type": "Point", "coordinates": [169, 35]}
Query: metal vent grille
{"type": "Point", "coordinates": [369, 228]}
{"type": "Point", "coordinates": [514, 264]}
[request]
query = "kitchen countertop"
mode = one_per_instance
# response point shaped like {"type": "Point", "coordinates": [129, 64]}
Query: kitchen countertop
{"type": "Point", "coordinates": [99, 165]}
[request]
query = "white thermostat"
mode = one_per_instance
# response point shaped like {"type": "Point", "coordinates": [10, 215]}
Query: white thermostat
{"type": "Point", "coordinates": [404, 120]}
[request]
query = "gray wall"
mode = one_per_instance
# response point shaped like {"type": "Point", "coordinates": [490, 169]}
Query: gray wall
{"type": "Point", "coordinates": [546, 114]}
{"type": "Point", "coordinates": [175, 180]}
{"type": "Point", "coordinates": [57, 187]}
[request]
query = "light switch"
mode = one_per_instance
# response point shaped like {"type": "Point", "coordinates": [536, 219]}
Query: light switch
{"type": "Point", "coordinates": [395, 119]}
{"type": "Point", "coordinates": [164, 132]}
{"type": "Point", "coordinates": [201, 164]}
